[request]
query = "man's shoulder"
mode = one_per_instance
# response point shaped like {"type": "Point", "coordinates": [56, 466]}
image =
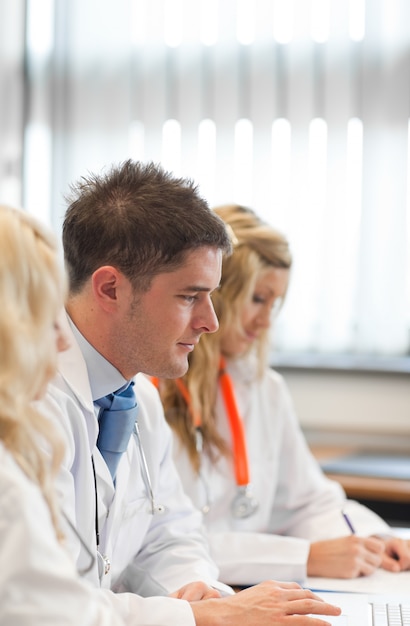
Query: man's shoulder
{"type": "Point", "coordinates": [57, 395]}
{"type": "Point", "coordinates": [61, 405]}
{"type": "Point", "coordinates": [60, 393]}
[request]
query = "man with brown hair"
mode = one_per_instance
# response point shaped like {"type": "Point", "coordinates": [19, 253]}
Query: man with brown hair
{"type": "Point", "coordinates": [143, 253]}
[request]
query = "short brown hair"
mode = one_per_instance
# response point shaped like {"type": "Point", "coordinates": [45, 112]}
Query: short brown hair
{"type": "Point", "coordinates": [138, 218]}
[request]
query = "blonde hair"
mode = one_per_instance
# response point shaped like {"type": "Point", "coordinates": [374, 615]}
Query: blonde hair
{"type": "Point", "coordinates": [256, 246]}
{"type": "Point", "coordinates": [31, 294]}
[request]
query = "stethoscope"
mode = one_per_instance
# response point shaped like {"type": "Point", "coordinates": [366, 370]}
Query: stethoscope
{"type": "Point", "coordinates": [244, 503]}
{"type": "Point", "coordinates": [104, 563]}
{"type": "Point", "coordinates": [85, 570]}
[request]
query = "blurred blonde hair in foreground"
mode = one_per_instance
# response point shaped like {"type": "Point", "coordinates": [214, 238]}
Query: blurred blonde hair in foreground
{"type": "Point", "coordinates": [32, 287]}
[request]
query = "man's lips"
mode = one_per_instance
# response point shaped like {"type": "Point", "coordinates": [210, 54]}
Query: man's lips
{"type": "Point", "coordinates": [188, 345]}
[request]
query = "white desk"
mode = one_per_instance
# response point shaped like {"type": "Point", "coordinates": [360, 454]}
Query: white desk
{"type": "Point", "coordinates": [378, 582]}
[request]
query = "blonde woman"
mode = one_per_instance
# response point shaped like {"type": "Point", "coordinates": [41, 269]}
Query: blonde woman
{"type": "Point", "coordinates": [242, 457]}
{"type": "Point", "coordinates": [38, 582]}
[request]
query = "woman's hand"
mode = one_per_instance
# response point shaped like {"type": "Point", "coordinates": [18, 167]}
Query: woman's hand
{"type": "Point", "coordinates": [345, 557]}
{"type": "Point", "coordinates": [396, 557]}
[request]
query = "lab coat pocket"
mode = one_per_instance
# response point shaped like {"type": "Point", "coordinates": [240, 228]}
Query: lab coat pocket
{"type": "Point", "coordinates": [131, 526]}
{"type": "Point", "coordinates": [136, 509]}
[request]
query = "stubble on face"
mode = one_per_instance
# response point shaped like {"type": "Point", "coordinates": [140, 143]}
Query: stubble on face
{"type": "Point", "coordinates": [136, 344]}
{"type": "Point", "coordinates": [144, 342]}
{"type": "Point", "coordinates": [158, 328]}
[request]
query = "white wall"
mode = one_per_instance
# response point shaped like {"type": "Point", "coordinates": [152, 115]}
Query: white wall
{"type": "Point", "coordinates": [371, 409]}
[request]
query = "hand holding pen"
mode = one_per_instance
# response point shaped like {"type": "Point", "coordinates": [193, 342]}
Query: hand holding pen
{"type": "Point", "coordinates": [345, 557]}
{"type": "Point", "coordinates": [391, 552]}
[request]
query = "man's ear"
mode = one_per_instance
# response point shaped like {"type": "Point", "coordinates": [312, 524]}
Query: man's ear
{"type": "Point", "coordinates": [105, 283]}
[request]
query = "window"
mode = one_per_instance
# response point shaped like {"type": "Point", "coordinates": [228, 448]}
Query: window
{"type": "Point", "coordinates": [297, 108]}
{"type": "Point", "coordinates": [12, 100]}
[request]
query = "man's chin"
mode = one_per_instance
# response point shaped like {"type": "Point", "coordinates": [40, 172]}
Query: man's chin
{"type": "Point", "coordinates": [176, 370]}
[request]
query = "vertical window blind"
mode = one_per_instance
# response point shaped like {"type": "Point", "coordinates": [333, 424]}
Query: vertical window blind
{"type": "Point", "coordinates": [12, 101]}
{"type": "Point", "coordinates": [297, 108]}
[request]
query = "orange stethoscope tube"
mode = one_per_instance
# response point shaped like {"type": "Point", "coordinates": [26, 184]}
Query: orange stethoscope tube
{"type": "Point", "coordinates": [240, 453]}
{"type": "Point", "coordinates": [183, 389]}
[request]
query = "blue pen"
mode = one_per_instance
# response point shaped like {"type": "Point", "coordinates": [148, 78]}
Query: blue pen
{"type": "Point", "coordinates": [349, 523]}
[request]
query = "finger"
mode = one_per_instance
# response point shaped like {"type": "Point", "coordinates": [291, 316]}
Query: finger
{"type": "Point", "coordinates": [390, 564]}
{"type": "Point", "coordinates": [282, 584]}
{"type": "Point", "coordinates": [374, 544]}
{"type": "Point", "coordinates": [313, 621]}
{"type": "Point", "coordinates": [372, 558]}
{"type": "Point", "coordinates": [370, 563]}
{"type": "Point", "coordinates": [211, 593]}
{"type": "Point", "coordinates": [312, 606]}
{"type": "Point", "coordinates": [194, 592]}
{"type": "Point", "coordinates": [399, 550]}
{"type": "Point", "coordinates": [302, 595]}
{"type": "Point", "coordinates": [367, 568]}
{"type": "Point", "coordinates": [187, 594]}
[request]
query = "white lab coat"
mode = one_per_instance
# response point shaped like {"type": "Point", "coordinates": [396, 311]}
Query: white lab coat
{"type": "Point", "coordinates": [297, 503]}
{"type": "Point", "coordinates": [171, 547]}
{"type": "Point", "coordinates": [39, 585]}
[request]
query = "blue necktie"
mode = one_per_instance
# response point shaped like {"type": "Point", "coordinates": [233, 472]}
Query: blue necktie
{"type": "Point", "coordinates": [116, 422]}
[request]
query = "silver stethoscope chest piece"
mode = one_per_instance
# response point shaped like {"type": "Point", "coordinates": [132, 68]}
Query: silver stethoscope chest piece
{"type": "Point", "coordinates": [104, 565]}
{"type": "Point", "coordinates": [244, 503]}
